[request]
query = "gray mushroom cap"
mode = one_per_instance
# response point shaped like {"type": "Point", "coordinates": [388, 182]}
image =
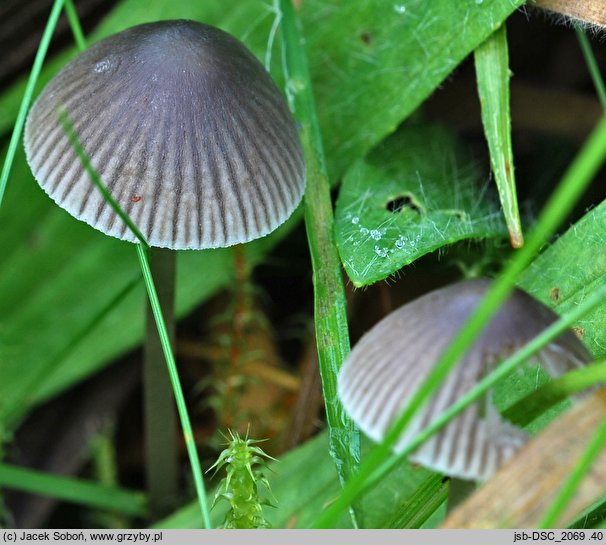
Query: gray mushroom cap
{"type": "Point", "coordinates": [186, 129]}
{"type": "Point", "coordinates": [388, 364]}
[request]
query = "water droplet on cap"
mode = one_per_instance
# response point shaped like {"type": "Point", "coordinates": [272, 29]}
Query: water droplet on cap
{"type": "Point", "coordinates": [103, 66]}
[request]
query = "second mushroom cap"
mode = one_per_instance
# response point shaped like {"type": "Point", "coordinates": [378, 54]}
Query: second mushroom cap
{"type": "Point", "coordinates": [392, 360]}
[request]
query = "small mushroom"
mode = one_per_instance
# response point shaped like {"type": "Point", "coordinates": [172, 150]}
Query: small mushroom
{"type": "Point", "coordinates": [391, 360]}
{"type": "Point", "coordinates": [183, 125]}
{"type": "Point", "coordinates": [194, 141]}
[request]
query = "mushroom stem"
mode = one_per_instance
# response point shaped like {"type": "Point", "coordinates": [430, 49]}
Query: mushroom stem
{"type": "Point", "coordinates": [458, 491]}
{"type": "Point", "coordinates": [159, 407]}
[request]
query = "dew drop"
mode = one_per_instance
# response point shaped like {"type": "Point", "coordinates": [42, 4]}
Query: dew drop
{"type": "Point", "coordinates": [400, 8]}
{"type": "Point", "coordinates": [355, 220]}
{"type": "Point", "coordinates": [103, 66]}
{"type": "Point", "coordinates": [376, 234]}
{"type": "Point", "coordinates": [381, 252]}
{"type": "Point", "coordinates": [401, 242]}
{"type": "Point", "coordinates": [364, 231]}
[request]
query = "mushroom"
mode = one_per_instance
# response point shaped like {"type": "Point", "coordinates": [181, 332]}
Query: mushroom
{"type": "Point", "coordinates": [186, 129]}
{"type": "Point", "coordinates": [392, 359]}
{"type": "Point", "coordinates": [193, 140]}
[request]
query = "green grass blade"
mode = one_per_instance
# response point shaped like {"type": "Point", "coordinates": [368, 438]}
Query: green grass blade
{"type": "Point", "coordinates": [598, 82]}
{"type": "Point", "coordinates": [73, 490]}
{"type": "Point", "coordinates": [27, 97]}
{"type": "Point", "coordinates": [574, 479]}
{"type": "Point", "coordinates": [533, 405]}
{"type": "Point", "coordinates": [492, 72]}
{"type": "Point", "coordinates": [330, 306]}
{"type": "Point", "coordinates": [423, 503]}
{"type": "Point", "coordinates": [74, 23]}
{"type": "Point", "coordinates": [577, 177]}
{"type": "Point", "coordinates": [161, 458]}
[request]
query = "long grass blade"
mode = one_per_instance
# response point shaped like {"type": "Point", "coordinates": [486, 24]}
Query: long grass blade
{"type": "Point", "coordinates": [492, 72]}
{"type": "Point", "coordinates": [576, 179]}
{"type": "Point", "coordinates": [592, 65]}
{"type": "Point", "coordinates": [571, 485]}
{"type": "Point", "coordinates": [161, 454]}
{"type": "Point", "coordinates": [74, 23]}
{"type": "Point", "coordinates": [330, 306]}
{"type": "Point", "coordinates": [533, 405]}
{"type": "Point", "coordinates": [81, 492]}
{"type": "Point", "coordinates": [27, 96]}
{"type": "Point", "coordinates": [597, 442]}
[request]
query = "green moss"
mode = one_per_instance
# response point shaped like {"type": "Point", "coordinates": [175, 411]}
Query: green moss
{"type": "Point", "coordinates": [243, 464]}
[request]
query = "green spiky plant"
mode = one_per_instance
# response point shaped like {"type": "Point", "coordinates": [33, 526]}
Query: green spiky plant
{"type": "Point", "coordinates": [243, 463]}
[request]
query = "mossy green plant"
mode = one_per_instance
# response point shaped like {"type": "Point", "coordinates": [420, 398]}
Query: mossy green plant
{"type": "Point", "coordinates": [243, 463]}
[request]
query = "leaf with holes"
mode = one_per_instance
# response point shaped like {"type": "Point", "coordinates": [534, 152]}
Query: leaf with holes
{"type": "Point", "coordinates": [413, 194]}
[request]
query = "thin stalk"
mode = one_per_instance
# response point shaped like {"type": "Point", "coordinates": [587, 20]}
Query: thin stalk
{"type": "Point", "coordinates": [329, 294]}
{"type": "Point", "coordinates": [592, 65]}
{"type": "Point", "coordinates": [188, 433]}
{"type": "Point", "coordinates": [578, 176]}
{"type": "Point", "coordinates": [161, 455]}
{"type": "Point", "coordinates": [128, 502]}
{"type": "Point", "coordinates": [571, 485]}
{"type": "Point", "coordinates": [74, 23]}
{"type": "Point", "coordinates": [27, 96]}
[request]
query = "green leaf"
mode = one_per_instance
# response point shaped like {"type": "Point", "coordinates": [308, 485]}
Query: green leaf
{"type": "Point", "coordinates": [571, 268]}
{"type": "Point", "coordinates": [374, 62]}
{"type": "Point", "coordinates": [413, 194]}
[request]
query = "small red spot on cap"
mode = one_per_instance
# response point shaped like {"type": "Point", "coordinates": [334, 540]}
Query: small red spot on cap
{"type": "Point", "coordinates": [136, 198]}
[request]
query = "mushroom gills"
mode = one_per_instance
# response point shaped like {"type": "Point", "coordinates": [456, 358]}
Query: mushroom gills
{"type": "Point", "coordinates": [392, 360]}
